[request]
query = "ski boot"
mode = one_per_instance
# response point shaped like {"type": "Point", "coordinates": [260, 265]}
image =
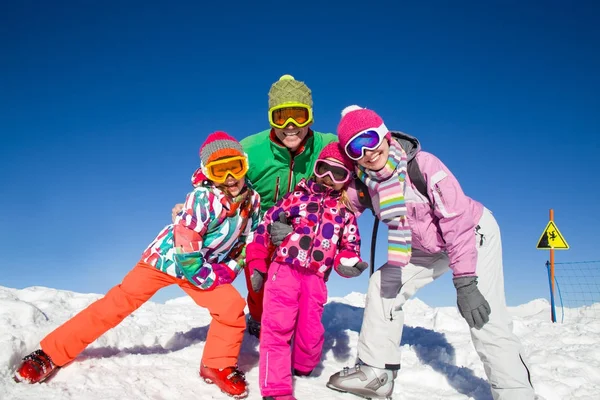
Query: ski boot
{"type": "Point", "coordinates": [297, 372]}
{"type": "Point", "coordinates": [35, 368]}
{"type": "Point", "coordinates": [230, 380]}
{"type": "Point", "coordinates": [253, 326]}
{"type": "Point", "coordinates": [364, 381]}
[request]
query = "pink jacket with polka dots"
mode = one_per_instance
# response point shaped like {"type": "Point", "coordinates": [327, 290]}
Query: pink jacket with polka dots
{"type": "Point", "coordinates": [324, 230]}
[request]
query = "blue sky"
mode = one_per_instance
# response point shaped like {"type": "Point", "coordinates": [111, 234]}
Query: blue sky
{"type": "Point", "coordinates": [105, 104]}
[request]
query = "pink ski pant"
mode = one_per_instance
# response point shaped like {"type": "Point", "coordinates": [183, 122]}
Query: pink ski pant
{"type": "Point", "coordinates": [293, 307]}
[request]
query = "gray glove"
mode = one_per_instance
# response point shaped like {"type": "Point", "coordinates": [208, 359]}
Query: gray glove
{"type": "Point", "coordinates": [257, 279]}
{"type": "Point", "coordinates": [352, 271]}
{"type": "Point", "coordinates": [471, 303]}
{"type": "Point", "coordinates": [280, 229]}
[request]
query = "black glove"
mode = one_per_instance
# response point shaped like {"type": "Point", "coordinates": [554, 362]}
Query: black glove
{"type": "Point", "coordinates": [354, 270]}
{"type": "Point", "coordinates": [257, 279]}
{"type": "Point", "coordinates": [471, 304]}
{"type": "Point", "coordinates": [280, 229]}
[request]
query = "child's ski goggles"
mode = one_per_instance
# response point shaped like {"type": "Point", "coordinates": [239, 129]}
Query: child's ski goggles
{"type": "Point", "coordinates": [337, 172]}
{"type": "Point", "coordinates": [296, 113]}
{"type": "Point", "coordinates": [369, 139]}
{"type": "Point", "coordinates": [218, 170]}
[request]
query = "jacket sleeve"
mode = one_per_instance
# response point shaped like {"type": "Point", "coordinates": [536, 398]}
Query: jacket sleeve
{"type": "Point", "coordinates": [235, 260]}
{"type": "Point", "coordinates": [188, 231]}
{"type": "Point", "coordinates": [257, 253]}
{"type": "Point", "coordinates": [349, 246]}
{"type": "Point", "coordinates": [455, 214]}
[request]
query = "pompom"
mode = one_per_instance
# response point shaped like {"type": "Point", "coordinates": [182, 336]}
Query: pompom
{"type": "Point", "coordinates": [287, 77]}
{"type": "Point", "coordinates": [350, 108]}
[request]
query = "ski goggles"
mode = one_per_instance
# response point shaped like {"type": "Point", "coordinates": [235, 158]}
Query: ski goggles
{"type": "Point", "coordinates": [337, 172]}
{"type": "Point", "coordinates": [217, 171]}
{"type": "Point", "coordinates": [296, 113]}
{"type": "Point", "coordinates": [369, 139]}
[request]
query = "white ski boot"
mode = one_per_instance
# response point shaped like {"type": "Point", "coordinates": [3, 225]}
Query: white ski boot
{"type": "Point", "coordinates": [364, 381]}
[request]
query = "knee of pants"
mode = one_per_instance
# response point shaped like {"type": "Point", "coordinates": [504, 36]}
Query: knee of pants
{"type": "Point", "coordinates": [310, 339]}
{"type": "Point", "coordinates": [122, 299]}
{"type": "Point", "coordinates": [279, 320]}
{"type": "Point", "coordinates": [228, 309]}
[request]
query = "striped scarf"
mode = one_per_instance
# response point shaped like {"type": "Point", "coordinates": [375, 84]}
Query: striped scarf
{"type": "Point", "coordinates": [389, 183]}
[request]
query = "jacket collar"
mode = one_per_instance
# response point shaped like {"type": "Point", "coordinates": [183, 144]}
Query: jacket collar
{"type": "Point", "coordinates": [312, 187]}
{"type": "Point", "coordinates": [277, 143]}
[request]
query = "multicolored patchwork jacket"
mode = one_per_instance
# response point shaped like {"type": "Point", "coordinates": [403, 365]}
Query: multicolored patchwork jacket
{"type": "Point", "coordinates": [324, 230]}
{"type": "Point", "coordinates": [206, 243]}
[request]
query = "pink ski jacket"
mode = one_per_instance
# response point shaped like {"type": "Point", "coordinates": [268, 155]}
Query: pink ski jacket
{"type": "Point", "coordinates": [324, 230]}
{"type": "Point", "coordinates": [448, 222]}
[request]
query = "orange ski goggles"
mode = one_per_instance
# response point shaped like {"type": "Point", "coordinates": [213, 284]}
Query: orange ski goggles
{"type": "Point", "coordinates": [218, 170]}
{"type": "Point", "coordinates": [296, 113]}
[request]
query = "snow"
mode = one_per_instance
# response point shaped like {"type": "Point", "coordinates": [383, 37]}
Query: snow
{"type": "Point", "coordinates": [155, 352]}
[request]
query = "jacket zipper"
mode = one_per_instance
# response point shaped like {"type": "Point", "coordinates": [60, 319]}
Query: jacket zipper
{"type": "Point", "coordinates": [308, 257]}
{"type": "Point", "coordinates": [291, 175]}
{"type": "Point", "coordinates": [276, 195]}
{"type": "Point", "coordinates": [275, 273]}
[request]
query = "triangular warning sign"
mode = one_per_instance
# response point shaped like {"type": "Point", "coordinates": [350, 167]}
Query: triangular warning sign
{"type": "Point", "coordinates": [552, 239]}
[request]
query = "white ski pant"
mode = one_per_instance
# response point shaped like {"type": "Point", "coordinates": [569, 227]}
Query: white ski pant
{"type": "Point", "coordinates": [496, 344]}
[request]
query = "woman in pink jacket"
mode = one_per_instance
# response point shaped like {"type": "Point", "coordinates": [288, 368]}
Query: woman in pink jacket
{"type": "Point", "coordinates": [433, 227]}
{"type": "Point", "coordinates": [324, 235]}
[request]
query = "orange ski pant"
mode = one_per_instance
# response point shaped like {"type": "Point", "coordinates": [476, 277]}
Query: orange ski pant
{"type": "Point", "coordinates": [225, 304]}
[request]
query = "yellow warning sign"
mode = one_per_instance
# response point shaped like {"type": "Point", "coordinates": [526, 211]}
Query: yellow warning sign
{"type": "Point", "coordinates": [552, 239]}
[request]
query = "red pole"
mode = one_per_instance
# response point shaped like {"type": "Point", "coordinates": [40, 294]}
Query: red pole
{"type": "Point", "coordinates": [552, 265]}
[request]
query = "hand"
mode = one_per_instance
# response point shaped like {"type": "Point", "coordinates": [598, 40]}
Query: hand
{"type": "Point", "coordinates": [352, 271]}
{"type": "Point", "coordinates": [280, 229]}
{"type": "Point", "coordinates": [361, 266]}
{"type": "Point", "coordinates": [176, 210]}
{"type": "Point", "coordinates": [257, 279]}
{"type": "Point", "coordinates": [471, 304]}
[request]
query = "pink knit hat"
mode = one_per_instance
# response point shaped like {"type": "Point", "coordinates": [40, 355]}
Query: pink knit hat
{"type": "Point", "coordinates": [333, 150]}
{"type": "Point", "coordinates": [356, 119]}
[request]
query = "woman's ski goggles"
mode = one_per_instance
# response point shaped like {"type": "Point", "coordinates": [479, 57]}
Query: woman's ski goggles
{"type": "Point", "coordinates": [369, 139]}
{"type": "Point", "coordinates": [218, 170]}
{"type": "Point", "coordinates": [296, 113]}
{"type": "Point", "coordinates": [337, 172]}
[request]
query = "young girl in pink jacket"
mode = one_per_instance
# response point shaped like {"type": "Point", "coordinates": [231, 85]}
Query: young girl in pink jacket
{"type": "Point", "coordinates": [324, 235]}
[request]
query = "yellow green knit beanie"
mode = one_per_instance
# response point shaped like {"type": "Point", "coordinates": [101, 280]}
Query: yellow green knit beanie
{"type": "Point", "coordinates": [289, 90]}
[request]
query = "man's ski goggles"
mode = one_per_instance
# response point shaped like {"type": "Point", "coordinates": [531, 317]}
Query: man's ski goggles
{"type": "Point", "coordinates": [296, 113]}
{"type": "Point", "coordinates": [369, 139]}
{"type": "Point", "coordinates": [218, 170]}
{"type": "Point", "coordinates": [337, 172]}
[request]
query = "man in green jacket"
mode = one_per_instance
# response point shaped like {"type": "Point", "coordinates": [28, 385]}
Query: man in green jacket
{"type": "Point", "coordinates": [280, 157]}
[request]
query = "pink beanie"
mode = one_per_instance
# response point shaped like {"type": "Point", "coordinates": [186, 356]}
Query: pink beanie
{"type": "Point", "coordinates": [219, 144]}
{"type": "Point", "coordinates": [356, 119]}
{"type": "Point", "coordinates": [333, 150]}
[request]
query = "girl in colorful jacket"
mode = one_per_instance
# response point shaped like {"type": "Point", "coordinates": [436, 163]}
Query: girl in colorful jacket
{"type": "Point", "coordinates": [200, 252]}
{"type": "Point", "coordinates": [324, 235]}
{"type": "Point", "coordinates": [433, 228]}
